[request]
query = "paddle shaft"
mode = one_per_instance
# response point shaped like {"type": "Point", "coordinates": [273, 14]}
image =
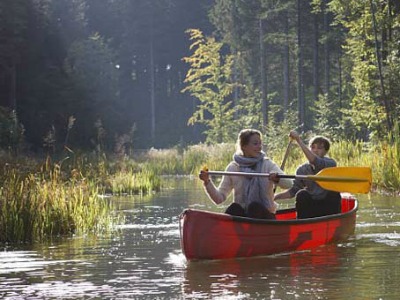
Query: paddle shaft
{"type": "Point", "coordinates": [286, 155]}
{"type": "Point", "coordinates": [340, 179]}
{"type": "Point", "coordinates": [284, 158]}
{"type": "Point", "coordinates": [304, 177]}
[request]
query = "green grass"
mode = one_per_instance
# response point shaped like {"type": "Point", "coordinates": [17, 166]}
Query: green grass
{"type": "Point", "coordinates": [383, 158]}
{"type": "Point", "coordinates": [42, 199]}
{"type": "Point", "coordinates": [38, 206]}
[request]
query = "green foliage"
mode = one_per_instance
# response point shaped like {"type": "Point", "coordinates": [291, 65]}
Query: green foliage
{"type": "Point", "coordinates": [277, 132]}
{"type": "Point", "coordinates": [382, 157]}
{"type": "Point", "coordinates": [38, 206]}
{"type": "Point", "coordinates": [389, 163]}
{"type": "Point", "coordinates": [249, 109]}
{"type": "Point", "coordinates": [375, 100]}
{"type": "Point", "coordinates": [327, 118]}
{"type": "Point", "coordinates": [91, 59]}
{"type": "Point", "coordinates": [133, 183]}
{"type": "Point", "coordinates": [209, 81]}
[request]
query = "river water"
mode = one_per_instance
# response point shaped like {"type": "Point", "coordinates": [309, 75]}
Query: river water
{"type": "Point", "coordinates": [143, 260]}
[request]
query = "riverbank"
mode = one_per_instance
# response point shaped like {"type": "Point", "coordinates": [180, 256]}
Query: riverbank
{"type": "Point", "coordinates": [43, 198]}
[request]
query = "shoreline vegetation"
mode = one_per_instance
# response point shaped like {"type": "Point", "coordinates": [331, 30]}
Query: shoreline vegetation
{"type": "Point", "coordinates": [43, 199]}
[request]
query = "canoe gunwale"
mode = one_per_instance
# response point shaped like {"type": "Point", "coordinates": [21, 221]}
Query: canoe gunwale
{"type": "Point", "coordinates": [276, 222]}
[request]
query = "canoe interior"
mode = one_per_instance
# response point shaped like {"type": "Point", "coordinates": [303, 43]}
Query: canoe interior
{"type": "Point", "coordinates": [208, 235]}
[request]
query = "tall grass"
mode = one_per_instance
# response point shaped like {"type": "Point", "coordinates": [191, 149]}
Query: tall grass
{"type": "Point", "coordinates": [187, 161]}
{"type": "Point", "coordinates": [42, 200]}
{"type": "Point", "coordinates": [38, 206]}
{"type": "Point", "coordinates": [115, 175]}
{"type": "Point", "coordinates": [383, 158]}
{"type": "Point", "coordinates": [125, 182]}
{"type": "Point", "coordinates": [387, 164]}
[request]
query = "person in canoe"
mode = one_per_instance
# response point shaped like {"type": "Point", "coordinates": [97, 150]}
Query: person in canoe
{"type": "Point", "coordinates": [311, 199]}
{"type": "Point", "coordinates": [253, 196]}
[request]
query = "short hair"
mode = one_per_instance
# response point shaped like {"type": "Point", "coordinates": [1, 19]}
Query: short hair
{"type": "Point", "coordinates": [244, 138]}
{"type": "Point", "coordinates": [320, 140]}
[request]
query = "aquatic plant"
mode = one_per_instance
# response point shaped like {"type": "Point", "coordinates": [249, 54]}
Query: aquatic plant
{"type": "Point", "coordinates": [38, 206]}
{"type": "Point", "coordinates": [125, 182]}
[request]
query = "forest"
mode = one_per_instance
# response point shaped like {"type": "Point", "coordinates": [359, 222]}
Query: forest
{"type": "Point", "coordinates": [88, 74]}
{"type": "Point", "coordinates": [86, 83]}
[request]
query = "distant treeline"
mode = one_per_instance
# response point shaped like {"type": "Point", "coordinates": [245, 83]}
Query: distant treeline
{"type": "Point", "coordinates": [110, 74]}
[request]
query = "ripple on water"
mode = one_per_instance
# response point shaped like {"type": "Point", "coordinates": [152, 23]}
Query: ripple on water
{"type": "Point", "coordinates": [389, 239]}
{"type": "Point", "coordinates": [23, 261]}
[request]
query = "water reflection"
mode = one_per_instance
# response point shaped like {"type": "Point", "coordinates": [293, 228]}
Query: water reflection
{"type": "Point", "coordinates": [276, 276]}
{"type": "Point", "coordinates": [143, 260]}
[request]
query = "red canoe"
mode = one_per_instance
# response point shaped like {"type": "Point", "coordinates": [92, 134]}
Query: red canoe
{"type": "Point", "coordinates": [209, 235]}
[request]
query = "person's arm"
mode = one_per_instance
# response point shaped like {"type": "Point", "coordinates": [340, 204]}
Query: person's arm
{"type": "Point", "coordinates": [311, 157]}
{"type": "Point", "coordinates": [217, 195]}
{"type": "Point", "coordinates": [274, 172]}
{"type": "Point", "coordinates": [298, 184]}
{"type": "Point", "coordinates": [283, 195]}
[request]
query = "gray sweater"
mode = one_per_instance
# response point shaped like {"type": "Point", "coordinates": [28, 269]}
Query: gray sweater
{"type": "Point", "coordinates": [312, 187]}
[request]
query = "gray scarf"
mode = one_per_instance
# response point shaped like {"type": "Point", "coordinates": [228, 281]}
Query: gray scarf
{"type": "Point", "coordinates": [255, 188]}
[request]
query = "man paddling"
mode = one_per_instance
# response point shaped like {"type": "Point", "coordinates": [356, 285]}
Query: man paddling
{"type": "Point", "coordinates": [311, 199]}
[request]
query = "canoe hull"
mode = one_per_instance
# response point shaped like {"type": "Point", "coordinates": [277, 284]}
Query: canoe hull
{"type": "Point", "coordinates": [208, 235]}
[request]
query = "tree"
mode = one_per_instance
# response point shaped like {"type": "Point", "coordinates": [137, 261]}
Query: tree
{"type": "Point", "coordinates": [300, 80]}
{"type": "Point", "coordinates": [209, 81]}
{"type": "Point", "coordinates": [13, 40]}
{"type": "Point", "coordinates": [91, 63]}
{"type": "Point", "coordinates": [370, 32]}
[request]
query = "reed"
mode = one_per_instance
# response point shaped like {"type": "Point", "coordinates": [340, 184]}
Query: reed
{"type": "Point", "coordinates": [187, 161]}
{"type": "Point", "coordinates": [214, 157]}
{"type": "Point", "coordinates": [115, 175]}
{"type": "Point", "coordinates": [38, 206]}
{"type": "Point", "coordinates": [125, 182]}
{"type": "Point", "coordinates": [386, 164]}
{"type": "Point", "coordinates": [42, 200]}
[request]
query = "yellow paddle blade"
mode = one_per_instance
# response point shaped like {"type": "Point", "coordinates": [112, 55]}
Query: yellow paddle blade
{"type": "Point", "coordinates": [345, 179]}
{"type": "Point", "coordinates": [204, 168]}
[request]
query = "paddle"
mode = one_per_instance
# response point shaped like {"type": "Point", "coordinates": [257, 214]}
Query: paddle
{"type": "Point", "coordinates": [339, 179]}
{"type": "Point", "coordinates": [285, 158]}
{"type": "Point", "coordinates": [286, 155]}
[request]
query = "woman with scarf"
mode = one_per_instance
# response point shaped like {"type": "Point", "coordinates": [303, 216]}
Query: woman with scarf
{"type": "Point", "coordinates": [253, 196]}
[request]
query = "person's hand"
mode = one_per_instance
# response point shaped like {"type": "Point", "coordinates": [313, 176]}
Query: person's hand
{"type": "Point", "coordinates": [274, 177]}
{"type": "Point", "coordinates": [294, 135]}
{"type": "Point", "coordinates": [204, 176]}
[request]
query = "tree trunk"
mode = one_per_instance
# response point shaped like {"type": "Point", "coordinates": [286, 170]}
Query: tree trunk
{"type": "Point", "coordinates": [286, 55]}
{"type": "Point", "coordinates": [264, 99]}
{"type": "Point", "coordinates": [300, 97]}
{"type": "Point", "coordinates": [379, 62]}
{"type": "Point", "coordinates": [13, 88]}
{"type": "Point", "coordinates": [315, 59]}
{"type": "Point", "coordinates": [340, 83]}
{"type": "Point", "coordinates": [326, 51]}
{"type": "Point", "coordinates": [235, 80]}
{"type": "Point", "coordinates": [152, 93]}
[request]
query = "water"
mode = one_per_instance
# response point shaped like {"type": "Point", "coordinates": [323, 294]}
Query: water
{"type": "Point", "coordinates": [144, 260]}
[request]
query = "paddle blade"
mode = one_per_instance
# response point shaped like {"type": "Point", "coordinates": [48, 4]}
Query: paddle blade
{"type": "Point", "coordinates": [346, 179]}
